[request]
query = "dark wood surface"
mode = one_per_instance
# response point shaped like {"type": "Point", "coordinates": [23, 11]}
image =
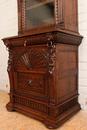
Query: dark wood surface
{"type": "Point", "coordinates": [43, 66]}
{"type": "Point", "coordinates": [43, 72]}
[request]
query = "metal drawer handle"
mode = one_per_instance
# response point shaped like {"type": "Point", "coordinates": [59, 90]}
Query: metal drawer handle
{"type": "Point", "coordinates": [25, 43]}
{"type": "Point", "coordinates": [29, 82]}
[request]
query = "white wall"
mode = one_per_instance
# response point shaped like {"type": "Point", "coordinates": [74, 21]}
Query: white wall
{"type": "Point", "coordinates": [9, 27]}
{"type": "Point", "coordinates": [83, 53]}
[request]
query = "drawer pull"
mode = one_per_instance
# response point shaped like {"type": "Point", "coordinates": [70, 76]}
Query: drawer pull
{"type": "Point", "coordinates": [29, 82]}
{"type": "Point", "coordinates": [25, 43]}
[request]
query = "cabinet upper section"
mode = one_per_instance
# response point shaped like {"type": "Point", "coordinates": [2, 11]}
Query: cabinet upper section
{"type": "Point", "coordinates": [38, 16]}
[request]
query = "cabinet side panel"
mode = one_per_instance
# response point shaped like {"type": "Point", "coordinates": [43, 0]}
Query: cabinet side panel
{"type": "Point", "coordinates": [71, 15]}
{"type": "Point", "coordinates": [66, 66]}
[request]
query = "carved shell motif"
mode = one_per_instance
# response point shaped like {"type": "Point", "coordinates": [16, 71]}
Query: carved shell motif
{"type": "Point", "coordinates": [33, 58]}
{"type": "Point", "coordinates": [37, 58]}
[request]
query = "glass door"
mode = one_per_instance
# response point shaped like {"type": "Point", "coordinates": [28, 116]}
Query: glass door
{"type": "Point", "coordinates": [38, 13]}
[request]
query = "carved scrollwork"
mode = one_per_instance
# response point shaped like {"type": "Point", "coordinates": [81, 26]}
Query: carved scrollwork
{"type": "Point", "coordinates": [10, 60]}
{"type": "Point", "coordinates": [52, 56]}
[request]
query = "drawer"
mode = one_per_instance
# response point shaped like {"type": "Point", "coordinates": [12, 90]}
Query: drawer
{"type": "Point", "coordinates": [31, 57]}
{"type": "Point", "coordinates": [30, 40]}
{"type": "Point", "coordinates": [31, 84]}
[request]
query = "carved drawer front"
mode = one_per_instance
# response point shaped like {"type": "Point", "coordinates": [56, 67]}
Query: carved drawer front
{"type": "Point", "coordinates": [31, 84]}
{"type": "Point", "coordinates": [31, 57]}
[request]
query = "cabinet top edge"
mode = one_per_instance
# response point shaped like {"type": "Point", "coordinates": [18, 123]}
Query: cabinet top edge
{"type": "Point", "coordinates": [56, 31]}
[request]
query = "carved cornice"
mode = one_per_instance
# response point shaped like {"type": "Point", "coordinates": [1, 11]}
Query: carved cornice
{"type": "Point", "coordinates": [66, 38]}
{"type": "Point", "coordinates": [56, 36]}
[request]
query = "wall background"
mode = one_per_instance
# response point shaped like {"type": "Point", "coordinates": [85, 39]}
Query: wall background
{"type": "Point", "coordinates": [9, 27]}
{"type": "Point", "coordinates": [82, 7]}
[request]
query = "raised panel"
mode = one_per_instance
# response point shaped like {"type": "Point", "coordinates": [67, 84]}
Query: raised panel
{"type": "Point", "coordinates": [70, 15]}
{"type": "Point", "coordinates": [31, 84]}
{"type": "Point", "coordinates": [30, 57]}
{"type": "Point", "coordinates": [67, 69]}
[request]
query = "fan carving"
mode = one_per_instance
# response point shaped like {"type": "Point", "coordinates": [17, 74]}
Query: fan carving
{"type": "Point", "coordinates": [33, 58]}
{"type": "Point", "coordinates": [26, 60]}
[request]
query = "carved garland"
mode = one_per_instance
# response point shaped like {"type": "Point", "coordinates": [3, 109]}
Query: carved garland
{"type": "Point", "coordinates": [10, 60]}
{"type": "Point", "coordinates": [52, 55]}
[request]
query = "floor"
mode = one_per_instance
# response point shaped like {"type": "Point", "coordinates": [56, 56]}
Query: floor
{"type": "Point", "coordinates": [17, 121]}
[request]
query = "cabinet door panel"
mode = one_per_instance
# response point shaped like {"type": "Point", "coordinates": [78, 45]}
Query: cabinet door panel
{"type": "Point", "coordinates": [44, 8]}
{"type": "Point", "coordinates": [31, 58]}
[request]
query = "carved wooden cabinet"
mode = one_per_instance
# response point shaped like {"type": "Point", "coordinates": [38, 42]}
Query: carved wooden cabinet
{"type": "Point", "coordinates": [43, 61]}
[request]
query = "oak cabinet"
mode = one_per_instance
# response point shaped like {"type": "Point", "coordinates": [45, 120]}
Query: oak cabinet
{"type": "Point", "coordinates": [43, 61]}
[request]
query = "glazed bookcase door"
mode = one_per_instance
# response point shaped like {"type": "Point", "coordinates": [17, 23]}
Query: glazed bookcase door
{"type": "Point", "coordinates": [34, 14]}
{"type": "Point", "coordinates": [38, 13]}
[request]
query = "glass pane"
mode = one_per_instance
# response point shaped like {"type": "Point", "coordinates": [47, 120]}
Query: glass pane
{"type": "Point", "coordinates": [38, 13]}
